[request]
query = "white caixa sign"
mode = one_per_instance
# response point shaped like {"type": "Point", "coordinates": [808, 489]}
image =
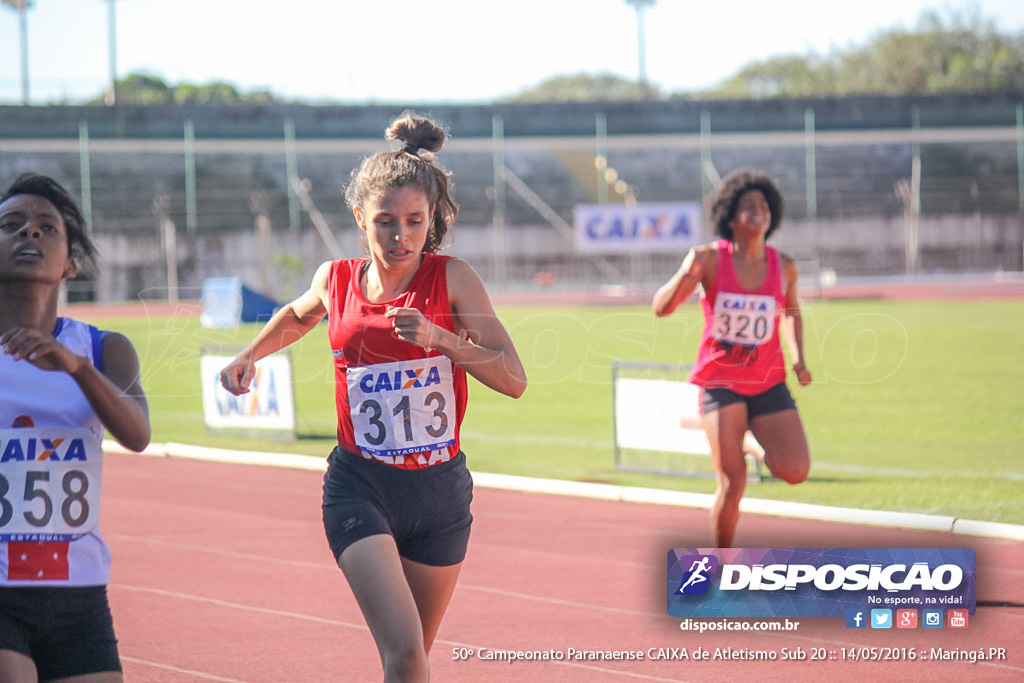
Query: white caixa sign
{"type": "Point", "coordinates": [268, 407]}
{"type": "Point", "coordinates": [618, 228]}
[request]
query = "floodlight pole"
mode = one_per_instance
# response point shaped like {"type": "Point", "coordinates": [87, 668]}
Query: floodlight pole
{"type": "Point", "coordinates": [22, 7]}
{"type": "Point", "coordinates": [111, 96]}
{"type": "Point", "coordinates": [641, 43]}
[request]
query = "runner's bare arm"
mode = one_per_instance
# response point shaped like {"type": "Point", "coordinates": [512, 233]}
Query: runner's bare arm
{"type": "Point", "coordinates": [126, 414]}
{"type": "Point", "coordinates": [794, 325]}
{"type": "Point", "coordinates": [289, 324]}
{"type": "Point", "coordinates": [483, 347]}
{"type": "Point", "coordinates": [681, 285]}
{"type": "Point", "coordinates": [115, 394]}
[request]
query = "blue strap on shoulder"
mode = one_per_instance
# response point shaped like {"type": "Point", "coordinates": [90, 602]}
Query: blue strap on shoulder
{"type": "Point", "coordinates": [97, 346]}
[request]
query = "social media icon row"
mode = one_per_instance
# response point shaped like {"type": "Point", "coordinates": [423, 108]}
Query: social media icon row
{"type": "Point", "coordinates": [905, 618]}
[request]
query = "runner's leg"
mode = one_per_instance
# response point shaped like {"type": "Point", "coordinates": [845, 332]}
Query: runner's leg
{"type": "Point", "coordinates": [16, 667]}
{"type": "Point", "coordinates": [375, 573]}
{"type": "Point", "coordinates": [782, 435]}
{"type": "Point", "coordinates": [432, 588]}
{"type": "Point", "coordinates": [725, 428]}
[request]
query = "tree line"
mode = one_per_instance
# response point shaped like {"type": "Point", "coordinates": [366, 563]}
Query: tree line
{"type": "Point", "coordinates": [960, 53]}
{"type": "Point", "coordinates": [955, 52]}
{"type": "Point", "coordinates": [143, 88]}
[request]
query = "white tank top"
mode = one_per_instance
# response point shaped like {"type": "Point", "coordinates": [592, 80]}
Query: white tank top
{"type": "Point", "coordinates": [35, 398]}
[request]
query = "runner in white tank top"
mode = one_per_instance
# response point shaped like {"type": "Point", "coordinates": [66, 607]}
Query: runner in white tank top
{"type": "Point", "coordinates": [63, 383]}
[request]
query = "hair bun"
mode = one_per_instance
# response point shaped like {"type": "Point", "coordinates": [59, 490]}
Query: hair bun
{"type": "Point", "coordinates": [416, 132]}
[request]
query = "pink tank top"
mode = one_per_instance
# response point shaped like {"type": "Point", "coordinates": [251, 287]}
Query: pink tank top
{"type": "Point", "coordinates": [398, 403]}
{"type": "Point", "coordinates": [739, 348]}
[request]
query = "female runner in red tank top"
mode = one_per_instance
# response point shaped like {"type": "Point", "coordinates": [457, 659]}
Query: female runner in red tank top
{"type": "Point", "coordinates": [747, 287]}
{"type": "Point", "coordinates": [405, 326]}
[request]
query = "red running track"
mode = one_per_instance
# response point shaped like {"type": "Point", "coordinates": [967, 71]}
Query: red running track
{"type": "Point", "coordinates": [221, 573]}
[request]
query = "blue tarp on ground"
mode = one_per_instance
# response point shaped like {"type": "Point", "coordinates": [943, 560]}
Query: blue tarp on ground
{"type": "Point", "coordinates": [227, 302]}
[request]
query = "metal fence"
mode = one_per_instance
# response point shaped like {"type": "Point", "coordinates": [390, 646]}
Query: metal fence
{"type": "Point", "coordinates": [858, 202]}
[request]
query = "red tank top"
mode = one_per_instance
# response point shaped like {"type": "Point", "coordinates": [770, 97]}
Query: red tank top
{"type": "Point", "coordinates": [398, 403]}
{"type": "Point", "coordinates": [739, 349]}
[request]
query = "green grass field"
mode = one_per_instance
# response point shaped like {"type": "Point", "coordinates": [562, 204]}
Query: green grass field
{"type": "Point", "coordinates": [915, 407]}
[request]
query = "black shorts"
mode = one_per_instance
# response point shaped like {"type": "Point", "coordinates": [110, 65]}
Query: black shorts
{"type": "Point", "coordinates": [774, 400]}
{"type": "Point", "coordinates": [426, 511]}
{"type": "Point", "coordinates": [66, 631]}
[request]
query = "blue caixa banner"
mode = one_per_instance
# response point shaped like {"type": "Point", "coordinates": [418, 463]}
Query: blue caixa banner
{"type": "Point", "coordinates": [817, 582]}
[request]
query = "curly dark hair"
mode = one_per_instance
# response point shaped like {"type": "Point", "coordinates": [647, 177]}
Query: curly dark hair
{"type": "Point", "coordinates": [413, 165]}
{"type": "Point", "coordinates": [723, 202]}
{"type": "Point", "coordinates": [80, 245]}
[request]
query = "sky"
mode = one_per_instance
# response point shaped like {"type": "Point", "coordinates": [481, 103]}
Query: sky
{"type": "Point", "coordinates": [410, 51]}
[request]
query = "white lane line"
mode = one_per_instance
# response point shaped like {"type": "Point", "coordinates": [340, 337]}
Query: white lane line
{"type": "Point", "coordinates": [345, 624]}
{"type": "Point", "coordinates": [237, 605]}
{"type": "Point", "coordinates": [178, 670]}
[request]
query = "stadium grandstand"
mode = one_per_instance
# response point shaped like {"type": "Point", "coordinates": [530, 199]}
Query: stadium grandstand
{"type": "Point", "coordinates": [874, 186]}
